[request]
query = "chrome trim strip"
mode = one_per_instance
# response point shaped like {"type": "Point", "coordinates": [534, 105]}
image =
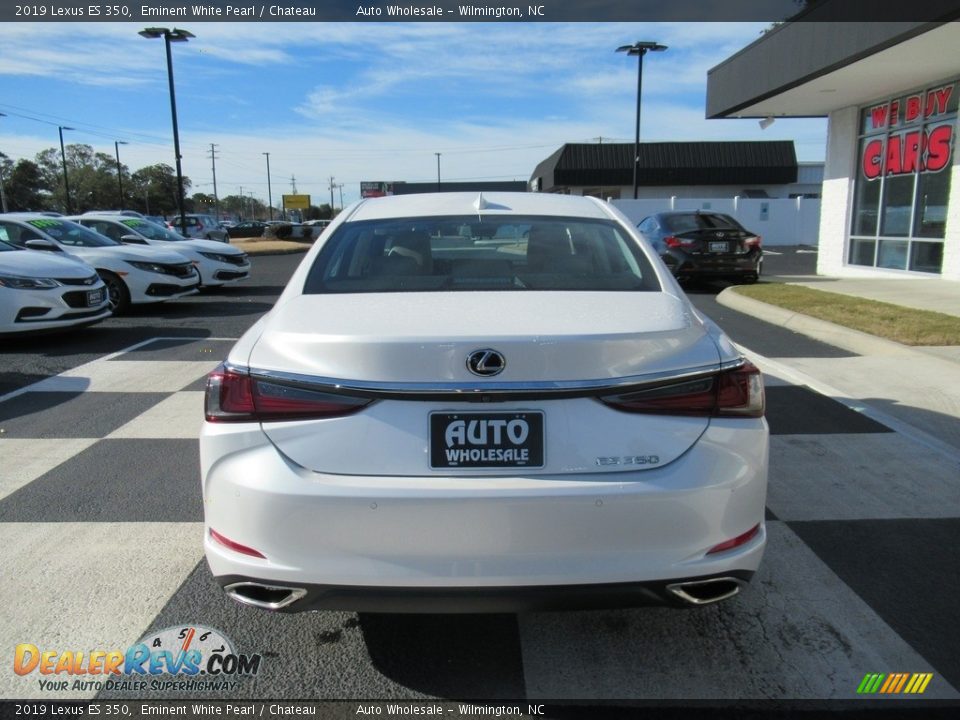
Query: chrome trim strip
{"type": "Point", "coordinates": [545, 387]}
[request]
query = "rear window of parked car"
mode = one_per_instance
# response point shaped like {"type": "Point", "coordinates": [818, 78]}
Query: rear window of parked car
{"type": "Point", "coordinates": [698, 221]}
{"type": "Point", "coordinates": [470, 253]}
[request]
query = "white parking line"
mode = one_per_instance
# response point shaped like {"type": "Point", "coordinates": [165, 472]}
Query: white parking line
{"type": "Point", "coordinates": [905, 429]}
{"type": "Point", "coordinates": [77, 371]}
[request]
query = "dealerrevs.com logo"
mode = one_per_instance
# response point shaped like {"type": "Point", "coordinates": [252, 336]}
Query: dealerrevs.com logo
{"type": "Point", "coordinates": [186, 657]}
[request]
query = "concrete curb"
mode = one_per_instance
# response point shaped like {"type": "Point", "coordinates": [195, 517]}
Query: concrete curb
{"type": "Point", "coordinates": [854, 341]}
{"type": "Point", "coordinates": [271, 247]}
{"type": "Point", "coordinates": [281, 251]}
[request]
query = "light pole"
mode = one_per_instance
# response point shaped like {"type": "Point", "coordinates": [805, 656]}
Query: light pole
{"type": "Point", "coordinates": [438, 171]}
{"type": "Point", "coordinates": [269, 190]}
{"type": "Point", "coordinates": [63, 159]}
{"type": "Point", "coordinates": [639, 48]}
{"type": "Point", "coordinates": [3, 192]}
{"type": "Point", "coordinates": [116, 148]}
{"type": "Point", "coordinates": [169, 36]}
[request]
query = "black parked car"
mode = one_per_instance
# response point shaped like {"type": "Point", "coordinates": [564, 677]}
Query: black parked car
{"type": "Point", "coordinates": [698, 244]}
{"type": "Point", "coordinates": [251, 228]}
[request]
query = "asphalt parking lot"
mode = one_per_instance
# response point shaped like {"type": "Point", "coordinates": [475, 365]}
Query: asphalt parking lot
{"type": "Point", "coordinates": [101, 521]}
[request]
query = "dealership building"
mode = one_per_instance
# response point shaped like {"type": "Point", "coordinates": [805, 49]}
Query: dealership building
{"type": "Point", "coordinates": [890, 193]}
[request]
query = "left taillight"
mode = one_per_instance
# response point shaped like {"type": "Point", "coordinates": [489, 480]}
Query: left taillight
{"type": "Point", "coordinates": [235, 396]}
{"type": "Point", "coordinates": [731, 393]}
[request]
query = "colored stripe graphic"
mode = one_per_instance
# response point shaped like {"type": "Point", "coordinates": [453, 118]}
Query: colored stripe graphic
{"type": "Point", "coordinates": [894, 684]}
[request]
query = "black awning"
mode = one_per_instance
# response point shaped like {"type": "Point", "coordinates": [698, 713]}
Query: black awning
{"type": "Point", "coordinates": [677, 163]}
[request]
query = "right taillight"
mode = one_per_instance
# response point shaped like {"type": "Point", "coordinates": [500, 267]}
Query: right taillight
{"type": "Point", "coordinates": [672, 241]}
{"type": "Point", "coordinates": [235, 396]}
{"type": "Point", "coordinates": [752, 242]}
{"type": "Point", "coordinates": [731, 393]}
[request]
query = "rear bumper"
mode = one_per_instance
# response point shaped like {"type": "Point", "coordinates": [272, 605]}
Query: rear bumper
{"type": "Point", "coordinates": [501, 541]}
{"type": "Point", "coordinates": [686, 265]}
{"type": "Point", "coordinates": [308, 597]}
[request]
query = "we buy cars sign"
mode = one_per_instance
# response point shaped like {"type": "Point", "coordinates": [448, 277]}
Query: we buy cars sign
{"type": "Point", "coordinates": [923, 148]}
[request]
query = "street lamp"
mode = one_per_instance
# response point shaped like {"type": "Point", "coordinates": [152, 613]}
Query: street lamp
{"type": "Point", "coordinates": [269, 190]}
{"type": "Point", "coordinates": [169, 36]}
{"type": "Point", "coordinates": [116, 148]}
{"type": "Point", "coordinates": [63, 159]}
{"type": "Point", "coordinates": [3, 193]}
{"type": "Point", "coordinates": [438, 171]}
{"type": "Point", "coordinates": [639, 48]}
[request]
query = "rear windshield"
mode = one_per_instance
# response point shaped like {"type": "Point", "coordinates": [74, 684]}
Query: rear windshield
{"type": "Point", "coordinates": [698, 221]}
{"type": "Point", "coordinates": [469, 253]}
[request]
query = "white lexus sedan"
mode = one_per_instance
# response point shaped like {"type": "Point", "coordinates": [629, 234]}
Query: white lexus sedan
{"type": "Point", "coordinates": [483, 403]}
{"type": "Point", "coordinates": [46, 292]}
{"type": "Point", "coordinates": [218, 263]}
{"type": "Point", "coordinates": [131, 274]}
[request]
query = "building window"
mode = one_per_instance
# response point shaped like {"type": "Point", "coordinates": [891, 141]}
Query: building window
{"type": "Point", "coordinates": [903, 180]}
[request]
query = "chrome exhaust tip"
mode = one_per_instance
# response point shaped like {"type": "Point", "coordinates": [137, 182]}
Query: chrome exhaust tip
{"type": "Point", "coordinates": [705, 592]}
{"type": "Point", "coordinates": [265, 597]}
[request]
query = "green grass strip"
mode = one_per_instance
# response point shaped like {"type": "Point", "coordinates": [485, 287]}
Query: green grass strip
{"type": "Point", "coordinates": [893, 322]}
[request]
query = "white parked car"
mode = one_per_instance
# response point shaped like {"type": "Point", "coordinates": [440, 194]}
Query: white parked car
{"type": "Point", "coordinates": [217, 263]}
{"type": "Point", "coordinates": [491, 402]}
{"type": "Point", "coordinates": [131, 274]}
{"type": "Point", "coordinates": [46, 292]}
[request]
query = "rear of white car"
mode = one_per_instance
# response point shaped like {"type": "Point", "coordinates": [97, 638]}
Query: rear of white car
{"type": "Point", "coordinates": [449, 410]}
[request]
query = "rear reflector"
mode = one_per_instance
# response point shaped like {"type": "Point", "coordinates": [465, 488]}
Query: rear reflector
{"type": "Point", "coordinates": [731, 393]}
{"type": "Point", "coordinates": [235, 546]}
{"type": "Point", "coordinates": [735, 542]}
{"type": "Point", "coordinates": [234, 396]}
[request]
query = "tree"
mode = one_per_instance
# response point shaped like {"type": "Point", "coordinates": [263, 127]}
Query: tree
{"type": "Point", "coordinates": [92, 176]}
{"type": "Point", "coordinates": [203, 203]}
{"type": "Point", "coordinates": [25, 187]}
{"type": "Point", "coordinates": [153, 190]}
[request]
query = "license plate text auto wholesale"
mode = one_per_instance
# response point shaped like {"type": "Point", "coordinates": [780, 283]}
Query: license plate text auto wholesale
{"type": "Point", "coordinates": [486, 440]}
{"type": "Point", "coordinates": [718, 247]}
{"type": "Point", "coordinates": [94, 297]}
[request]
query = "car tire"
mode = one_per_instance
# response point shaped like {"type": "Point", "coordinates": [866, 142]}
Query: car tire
{"type": "Point", "coordinates": [117, 293]}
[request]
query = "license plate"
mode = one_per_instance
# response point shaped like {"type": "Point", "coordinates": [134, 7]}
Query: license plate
{"type": "Point", "coordinates": [94, 297]}
{"type": "Point", "coordinates": [486, 440]}
{"type": "Point", "coordinates": [719, 247]}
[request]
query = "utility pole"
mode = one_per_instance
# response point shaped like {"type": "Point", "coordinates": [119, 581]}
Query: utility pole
{"type": "Point", "coordinates": [293, 184]}
{"type": "Point", "coordinates": [438, 171]}
{"type": "Point", "coordinates": [213, 165]}
{"type": "Point", "coordinates": [340, 186]}
{"type": "Point", "coordinates": [331, 192]}
{"type": "Point", "coordinates": [241, 203]}
{"type": "Point", "coordinates": [269, 190]}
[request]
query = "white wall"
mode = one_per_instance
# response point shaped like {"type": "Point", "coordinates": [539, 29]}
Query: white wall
{"type": "Point", "coordinates": [779, 221]}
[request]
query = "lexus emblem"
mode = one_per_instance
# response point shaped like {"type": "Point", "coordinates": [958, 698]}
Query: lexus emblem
{"type": "Point", "coordinates": [486, 363]}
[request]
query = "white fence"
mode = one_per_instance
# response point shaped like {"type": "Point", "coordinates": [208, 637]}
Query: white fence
{"type": "Point", "coordinates": [779, 221]}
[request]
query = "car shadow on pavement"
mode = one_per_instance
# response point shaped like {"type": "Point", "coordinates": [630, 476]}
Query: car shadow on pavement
{"type": "Point", "coordinates": [207, 307]}
{"type": "Point", "coordinates": [236, 290]}
{"type": "Point", "coordinates": [449, 656]}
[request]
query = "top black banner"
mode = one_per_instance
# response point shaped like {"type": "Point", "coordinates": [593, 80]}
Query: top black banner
{"type": "Point", "coordinates": [171, 12]}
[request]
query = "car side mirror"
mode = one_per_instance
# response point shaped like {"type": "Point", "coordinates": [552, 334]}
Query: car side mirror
{"type": "Point", "coordinates": [40, 244]}
{"type": "Point", "coordinates": [133, 240]}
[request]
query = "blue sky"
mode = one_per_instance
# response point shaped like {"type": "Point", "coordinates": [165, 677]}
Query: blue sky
{"type": "Point", "coordinates": [364, 101]}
